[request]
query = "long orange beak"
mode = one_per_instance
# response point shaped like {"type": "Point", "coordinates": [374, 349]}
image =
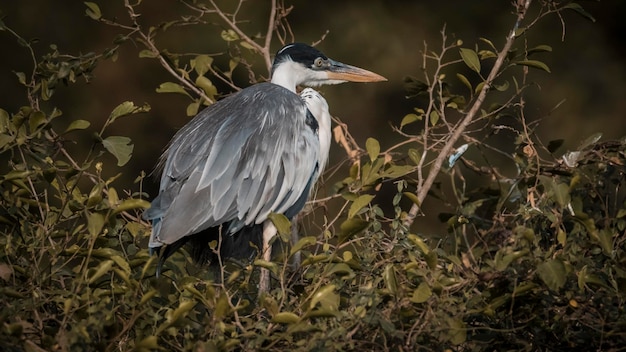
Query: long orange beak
{"type": "Point", "coordinates": [343, 72]}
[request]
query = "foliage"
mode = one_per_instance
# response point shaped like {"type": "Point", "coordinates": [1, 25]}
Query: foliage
{"type": "Point", "coordinates": [532, 261]}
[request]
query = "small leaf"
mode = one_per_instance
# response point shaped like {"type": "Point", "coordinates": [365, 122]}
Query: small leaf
{"type": "Point", "coordinates": [412, 197]}
{"type": "Point", "coordinates": [373, 148]}
{"type": "Point", "coordinates": [171, 87]}
{"type": "Point", "coordinates": [282, 224]}
{"type": "Point", "coordinates": [359, 204]}
{"type": "Point", "coordinates": [130, 204]}
{"type": "Point", "coordinates": [35, 120]}
{"type": "Point", "coordinates": [126, 108]}
{"type": "Point", "coordinates": [206, 85]}
{"type": "Point", "coordinates": [534, 64]}
{"type": "Point", "coordinates": [389, 276]}
{"type": "Point", "coordinates": [77, 125]}
{"type": "Point", "coordinates": [229, 35]}
{"type": "Point", "coordinates": [192, 109]}
{"type": "Point", "coordinates": [576, 7]}
{"type": "Point", "coordinates": [102, 269]}
{"type": "Point", "coordinates": [120, 147]}
{"type": "Point", "coordinates": [415, 156]}
{"type": "Point", "coordinates": [285, 318]}
{"type": "Point", "coordinates": [470, 58]}
{"type": "Point", "coordinates": [552, 273]}
{"type": "Point", "coordinates": [93, 10]}
{"type": "Point", "coordinates": [464, 80]}
{"type": "Point", "coordinates": [434, 117]}
{"type": "Point", "coordinates": [421, 294]}
{"type": "Point", "coordinates": [409, 118]}
{"type": "Point", "coordinates": [95, 222]}
{"type": "Point", "coordinates": [183, 308]}
{"type": "Point", "coordinates": [302, 243]}
{"type": "Point", "coordinates": [201, 64]}
{"type": "Point", "coordinates": [149, 343]}
{"type": "Point", "coordinates": [327, 298]}
{"type": "Point", "coordinates": [561, 193]}
{"type": "Point", "coordinates": [539, 49]}
{"type": "Point", "coordinates": [146, 53]}
{"type": "Point", "coordinates": [351, 227]}
{"type": "Point", "coordinates": [457, 333]}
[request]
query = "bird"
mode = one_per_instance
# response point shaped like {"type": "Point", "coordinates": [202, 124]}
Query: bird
{"type": "Point", "coordinates": [256, 152]}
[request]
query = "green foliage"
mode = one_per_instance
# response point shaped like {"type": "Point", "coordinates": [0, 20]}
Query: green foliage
{"type": "Point", "coordinates": [533, 261]}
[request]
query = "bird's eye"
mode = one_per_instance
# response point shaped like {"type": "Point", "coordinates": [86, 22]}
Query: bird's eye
{"type": "Point", "coordinates": [319, 62]}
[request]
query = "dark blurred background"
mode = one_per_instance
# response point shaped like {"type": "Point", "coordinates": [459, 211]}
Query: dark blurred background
{"type": "Point", "coordinates": [387, 37]}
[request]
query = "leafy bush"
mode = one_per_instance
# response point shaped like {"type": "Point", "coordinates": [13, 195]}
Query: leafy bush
{"type": "Point", "coordinates": [533, 261]}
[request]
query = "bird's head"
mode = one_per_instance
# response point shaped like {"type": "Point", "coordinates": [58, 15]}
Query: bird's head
{"type": "Point", "coordinates": [300, 64]}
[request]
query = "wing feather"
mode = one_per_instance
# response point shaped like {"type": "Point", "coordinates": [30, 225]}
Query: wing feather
{"type": "Point", "coordinates": [237, 161]}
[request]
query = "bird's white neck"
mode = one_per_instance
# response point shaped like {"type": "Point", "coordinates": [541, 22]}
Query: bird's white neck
{"type": "Point", "coordinates": [290, 74]}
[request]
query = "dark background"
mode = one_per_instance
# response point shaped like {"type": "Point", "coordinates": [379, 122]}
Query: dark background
{"type": "Point", "coordinates": [387, 37]}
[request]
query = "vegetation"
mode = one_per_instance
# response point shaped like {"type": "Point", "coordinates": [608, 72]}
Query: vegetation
{"type": "Point", "coordinates": [532, 259]}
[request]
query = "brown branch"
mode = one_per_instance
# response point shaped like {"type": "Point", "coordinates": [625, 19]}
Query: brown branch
{"type": "Point", "coordinates": [522, 7]}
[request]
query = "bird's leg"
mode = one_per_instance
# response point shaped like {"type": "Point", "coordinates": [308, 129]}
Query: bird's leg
{"type": "Point", "coordinates": [269, 231]}
{"type": "Point", "coordinates": [296, 259]}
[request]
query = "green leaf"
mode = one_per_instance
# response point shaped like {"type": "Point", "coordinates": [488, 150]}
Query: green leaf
{"type": "Point", "coordinates": [171, 87]}
{"type": "Point", "coordinates": [130, 204]}
{"type": "Point", "coordinates": [303, 242]}
{"type": "Point", "coordinates": [282, 224]}
{"type": "Point", "coordinates": [120, 147]}
{"type": "Point", "coordinates": [102, 269]}
{"type": "Point", "coordinates": [561, 193]}
{"type": "Point", "coordinates": [95, 223]}
{"type": "Point", "coordinates": [576, 7]}
{"type": "Point", "coordinates": [359, 204]}
{"type": "Point", "coordinates": [77, 125]}
{"type": "Point", "coordinates": [434, 117]}
{"type": "Point", "coordinates": [146, 53]}
{"type": "Point", "coordinates": [605, 237]}
{"type": "Point", "coordinates": [229, 35]}
{"type": "Point", "coordinates": [457, 333]}
{"type": "Point", "coordinates": [126, 108]}
{"type": "Point", "coordinates": [183, 308]}
{"type": "Point", "coordinates": [421, 294]}
{"type": "Point", "coordinates": [149, 343]}
{"type": "Point", "coordinates": [534, 64]}
{"type": "Point", "coordinates": [391, 282]}
{"type": "Point", "coordinates": [93, 10]}
{"type": "Point", "coordinates": [285, 318]}
{"type": "Point", "coordinates": [415, 156]}
{"type": "Point", "coordinates": [206, 85]}
{"type": "Point", "coordinates": [539, 49]}
{"type": "Point", "coordinates": [326, 297]}
{"type": "Point", "coordinates": [351, 227]}
{"type": "Point", "coordinates": [552, 273]}
{"type": "Point", "coordinates": [373, 148]}
{"type": "Point", "coordinates": [396, 171]}
{"type": "Point", "coordinates": [470, 58]}
{"type": "Point", "coordinates": [409, 118]}
{"type": "Point", "coordinates": [464, 80]}
{"type": "Point", "coordinates": [192, 109]}
{"type": "Point", "coordinates": [36, 119]}
{"type": "Point", "coordinates": [412, 197]}
{"type": "Point", "coordinates": [201, 64]}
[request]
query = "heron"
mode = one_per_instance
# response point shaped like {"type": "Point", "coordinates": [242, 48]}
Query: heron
{"type": "Point", "coordinates": [256, 152]}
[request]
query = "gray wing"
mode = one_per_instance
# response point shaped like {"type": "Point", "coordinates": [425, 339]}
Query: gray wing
{"type": "Point", "coordinates": [239, 160]}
